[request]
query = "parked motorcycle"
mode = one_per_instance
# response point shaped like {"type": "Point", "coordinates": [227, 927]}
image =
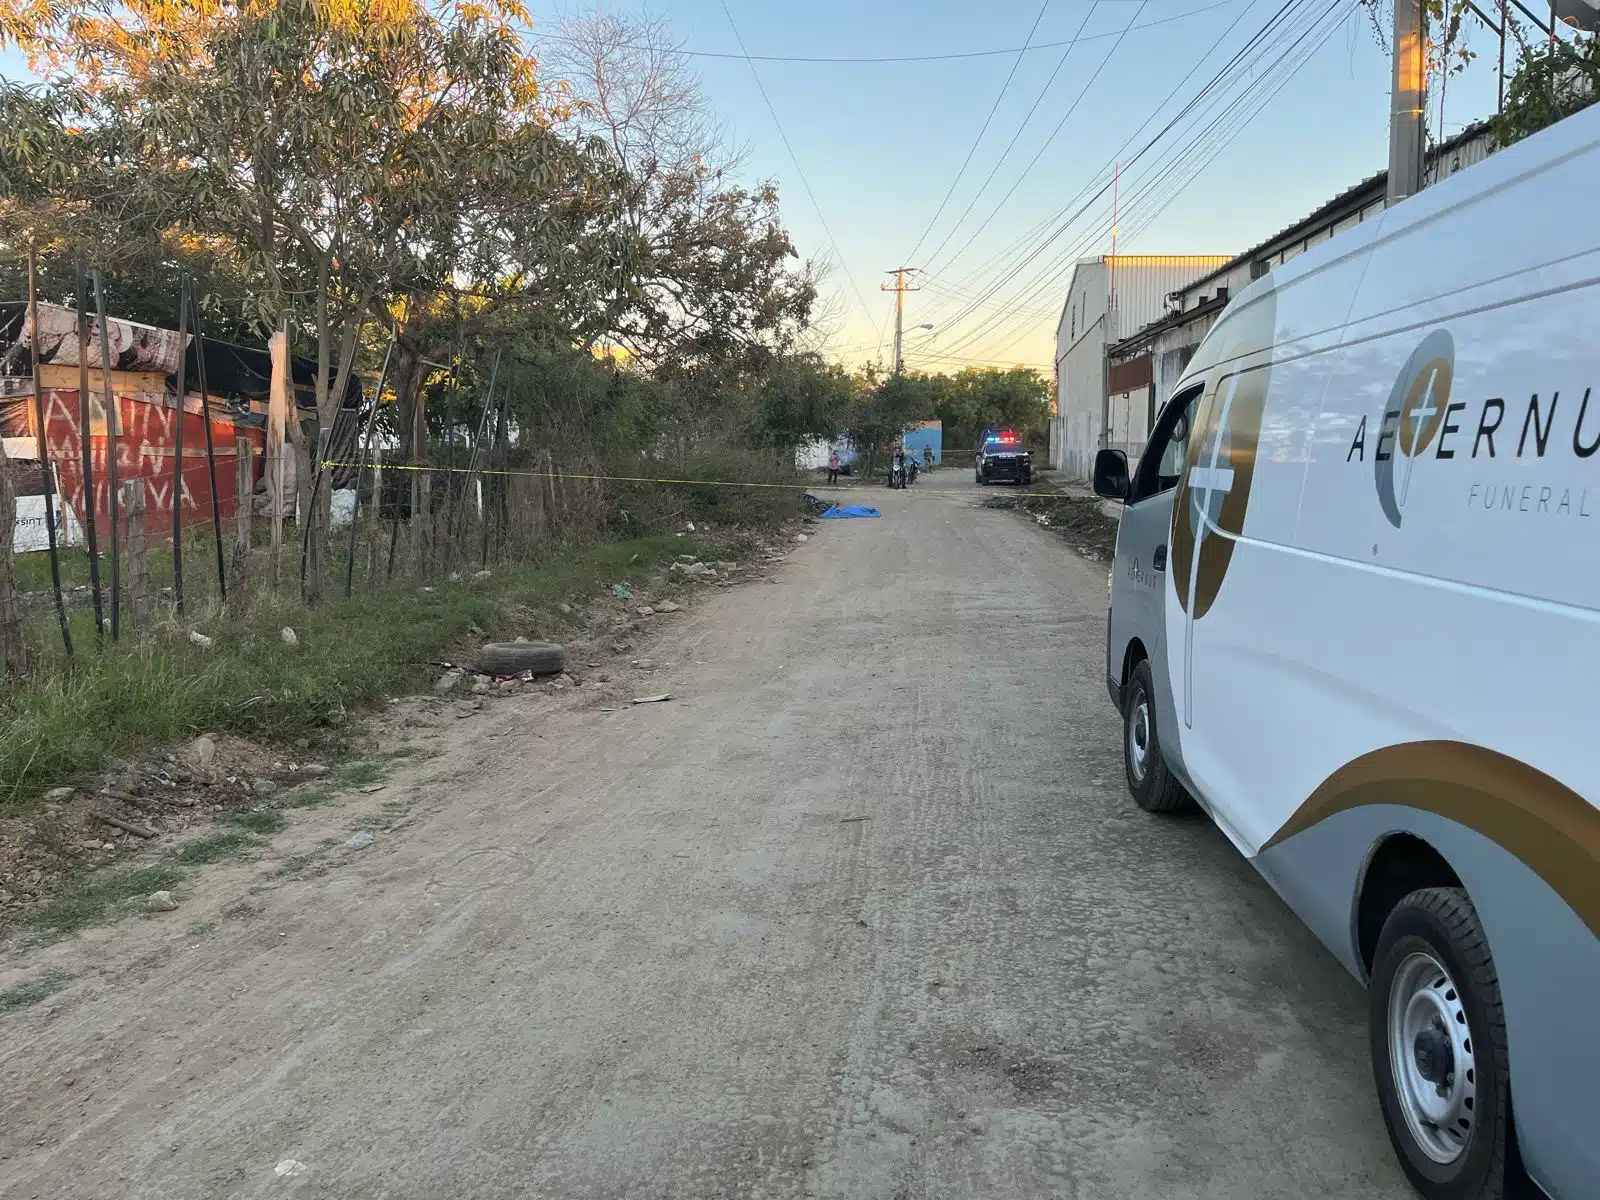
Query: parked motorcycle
{"type": "Point", "coordinates": [912, 470]}
{"type": "Point", "coordinates": [897, 475]}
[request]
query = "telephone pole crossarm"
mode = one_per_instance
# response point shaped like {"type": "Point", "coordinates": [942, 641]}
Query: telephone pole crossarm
{"type": "Point", "coordinates": [900, 287]}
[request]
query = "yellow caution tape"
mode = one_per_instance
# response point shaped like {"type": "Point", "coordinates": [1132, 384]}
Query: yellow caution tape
{"type": "Point", "coordinates": [793, 487]}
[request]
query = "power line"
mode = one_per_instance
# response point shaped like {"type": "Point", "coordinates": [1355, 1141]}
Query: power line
{"type": "Point", "coordinates": [1064, 225]}
{"type": "Point", "coordinates": [973, 149]}
{"type": "Point", "coordinates": [1208, 143]}
{"type": "Point", "coordinates": [1171, 193]}
{"type": "Point", "coordinates": [795, 159]}
{"type": "Point", "coordinates": [1156, 184]}
{"type": "Point", "coordinates": [1004, 154]}
{"type": "Point", "coordinates": [1072, 109]}
{"type": "Point", "coordinates": [1050, 273]}
{"type": "Point", "coordinates": [1030, 236]}
{"type": "Point", "coordinates": [844, 60]}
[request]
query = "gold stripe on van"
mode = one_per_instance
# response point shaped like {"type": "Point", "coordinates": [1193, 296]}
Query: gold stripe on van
{"type": "Point", "coordinates": [1553, 830]}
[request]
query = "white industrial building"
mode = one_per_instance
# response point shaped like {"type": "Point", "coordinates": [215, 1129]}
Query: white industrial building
{"type": "Point", "coordinates": [1144, 366]}
{"type": "Point", "coordinates": [1108, 298]}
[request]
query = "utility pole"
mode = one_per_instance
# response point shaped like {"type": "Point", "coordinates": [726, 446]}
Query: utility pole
{"type": "Point", "coordinates": [900, 288]}
{"type": "Point", "coordinates": [1406, 133]}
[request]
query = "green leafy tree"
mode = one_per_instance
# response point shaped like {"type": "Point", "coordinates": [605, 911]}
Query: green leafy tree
{"type": "Point", "coordinates": [356, 156]}
{"type": "Point", "coordinates": [980, 398]}
{"type": "Point", "coordinates": [801, 399]}
{"type": "Point", "coordinates": [1552, 81]}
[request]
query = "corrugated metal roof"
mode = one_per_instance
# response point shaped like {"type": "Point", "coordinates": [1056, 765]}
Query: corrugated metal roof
{"type": "Point", "coordinates": [1372, 183]}
{"type": "Point", "coordinates": [1137, 342]}
{"type": "Point", "coordinates": [1352, 197]}
{"type": "Point", "coordinates": [1141, 282]}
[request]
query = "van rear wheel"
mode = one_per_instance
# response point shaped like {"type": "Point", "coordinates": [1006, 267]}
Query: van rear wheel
{"type": "Point", "coordinates": [1438, 1043]}
{"type": "Point", "coordinates": [1154, 787]}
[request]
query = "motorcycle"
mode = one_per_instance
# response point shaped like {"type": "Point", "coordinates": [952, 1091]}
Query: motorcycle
{"type": "Point", "coordinates": [912, 470]}
{"type": "Point", "coordinates": [897, 475]}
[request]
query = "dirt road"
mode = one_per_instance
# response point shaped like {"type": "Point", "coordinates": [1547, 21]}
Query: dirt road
{"type": "Point", "coordinates": [863, 912]}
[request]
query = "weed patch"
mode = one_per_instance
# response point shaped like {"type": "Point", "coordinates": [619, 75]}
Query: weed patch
{"type": "Point", "coordinates": [68, 719]}
{"type": "Point", "coordinates": [212, 848]}
{"type": "Point", "coordinates": [306, 796]}
{"type": "Point", "coordinates": [26, 995]}
{"type": "Point", "coordinates": [264, 822]}
{"type": "Point", "coordinates": [96, 897]}
{"type": "Point", "coordinates": [360, 774]}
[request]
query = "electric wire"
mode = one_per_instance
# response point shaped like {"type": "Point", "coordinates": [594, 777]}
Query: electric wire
{"type": "Point", "coordinates": [983, 129]}
{"type": "Point", "coordinates": [1011, 145]}
{"type": "Point", "coordinates": [1158, 187]}
{"type": "Point", "coordinates": [795, 159]}
{"type": "Point", "coordinates": [1054, 133]}
{"type": "Point", "coordinates": [869, 59]}
{"type": "Point", "coordinates": [1255, 46]}
{"type": "Point", "coordinates": [1161, 186]}
{"type": "Point", "coordinates": [1031, 236]}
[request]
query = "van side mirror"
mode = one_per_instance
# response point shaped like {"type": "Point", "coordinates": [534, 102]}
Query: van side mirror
{"type": "Point", "coordinates": [1111, 474]}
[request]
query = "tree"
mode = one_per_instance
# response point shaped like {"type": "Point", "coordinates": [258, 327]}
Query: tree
{"type": "Point", "coordinates": [980, 398]}
{"type": "Point", "coordinates": [370, 169]}
{"type": "Point", "coordinates": [1552, 81]}
{"type": "Point", "coordinates": [357, 156]}
{"type": "Point", "coordinates": [801, 399]}
{"type": "Point", "coordinates": [885, 408]}
{"type": "Point", "coordinates": [709, 262]}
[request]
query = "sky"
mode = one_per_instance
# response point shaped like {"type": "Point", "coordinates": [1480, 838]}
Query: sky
{"type": "Point", "coordinates": [881, 144]}
{"type": "Point", "coordinates": [868, 156]}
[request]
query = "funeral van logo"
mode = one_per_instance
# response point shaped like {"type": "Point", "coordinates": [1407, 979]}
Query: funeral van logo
{"type": "Point", "coordinates": [1484, 438]}
{"type": "Point", "coordinates": [1214, 494]}
{"type": "Point", "coordinates": [1417, 406]}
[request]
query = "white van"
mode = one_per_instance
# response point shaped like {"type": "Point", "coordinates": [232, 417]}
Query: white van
{"type": "Point", "coordinates": [1355, 615]}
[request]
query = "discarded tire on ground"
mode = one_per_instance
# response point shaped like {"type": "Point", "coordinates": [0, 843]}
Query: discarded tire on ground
{"type": "Point", "coordinates": [513, 658]}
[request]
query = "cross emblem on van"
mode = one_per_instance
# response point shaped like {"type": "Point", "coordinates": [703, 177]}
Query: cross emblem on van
{"type": "Point", "coordinates": [1424, 411]}
{"type": "Point", "coordinates": [1212, 477]}
{"type": "Point", "coordinates": [1418, 402]}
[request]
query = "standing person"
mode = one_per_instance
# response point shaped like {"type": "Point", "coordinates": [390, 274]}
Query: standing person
{"type": "Point", "coordinates": [927, 458]}
{"type": "Point", "coordinates": [833, 466]}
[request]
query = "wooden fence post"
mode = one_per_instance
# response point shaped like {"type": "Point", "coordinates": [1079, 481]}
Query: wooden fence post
{"type": "Point", "coordinates": [422, 525]}
{"type": "Point", "coordinates": [244, 496]}
{"type": "Point", "coordinates": [138, 553]}
{"type": "Point", "coordinates": [12, 647]}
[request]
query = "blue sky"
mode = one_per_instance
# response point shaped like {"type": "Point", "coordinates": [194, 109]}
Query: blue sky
{"type": "Point", "coordinates": [880, 143]}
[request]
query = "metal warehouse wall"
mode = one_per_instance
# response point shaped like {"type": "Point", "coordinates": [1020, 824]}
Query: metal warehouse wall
{"type": "Point", "coordinates": [1141, 284]}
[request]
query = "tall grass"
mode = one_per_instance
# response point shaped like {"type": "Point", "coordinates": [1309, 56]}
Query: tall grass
{"type": "Point", "coordinates": [67, 719]}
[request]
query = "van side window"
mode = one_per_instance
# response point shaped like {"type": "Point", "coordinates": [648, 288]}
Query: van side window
{"type": "Point", "coordinates": [1161, 465]}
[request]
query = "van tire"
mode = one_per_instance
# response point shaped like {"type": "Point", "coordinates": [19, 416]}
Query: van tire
{"type": "Point", "coordinates": [1154, 787]}
{"type": "Point", "coordinates": [1441, 925]}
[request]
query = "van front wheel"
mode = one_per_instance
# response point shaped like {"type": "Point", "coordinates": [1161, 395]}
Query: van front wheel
{"type": "Point", "coordinates": [1153, 786]}
{"type": "Point", "coordinates": [1438, 1041]}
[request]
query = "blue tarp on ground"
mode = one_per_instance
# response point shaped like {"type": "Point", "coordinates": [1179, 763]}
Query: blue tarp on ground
{"type": "Point", "coordinates": [840, 511]}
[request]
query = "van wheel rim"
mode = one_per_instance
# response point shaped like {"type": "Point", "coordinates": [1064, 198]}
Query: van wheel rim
{"type": "Point", "coordinates": [1139, 737]}
{"type": "Point", "coordinates": [1431, 1057]}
